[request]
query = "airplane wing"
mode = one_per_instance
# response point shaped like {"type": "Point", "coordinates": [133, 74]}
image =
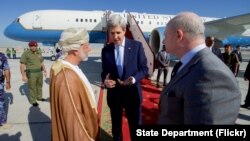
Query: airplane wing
{"type": "Point", "coordinates": [237, 25]}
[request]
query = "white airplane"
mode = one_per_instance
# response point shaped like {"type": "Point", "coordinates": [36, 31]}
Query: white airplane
{"type": "Point", "coordinates": [45, 26]}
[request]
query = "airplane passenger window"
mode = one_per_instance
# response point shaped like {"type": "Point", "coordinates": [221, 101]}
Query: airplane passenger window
{"type": "Point", "coordinates": [81, 20]}
{"type": "Point", "coordinates": [76, 20]}
{"type": "Point", "coordinates": [90, 20]}
{"type": "Point", "coordinates": [86, 20]}
{"type": "Point", "coordinates": [94, 20]}
{"type": "Point", "coordinates": [149, 22]}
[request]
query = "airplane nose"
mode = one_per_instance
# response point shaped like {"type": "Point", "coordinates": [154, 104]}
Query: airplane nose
{"type": "Point", "coordinates": [14, 31]}
{"type": "Point", "coordinates": [8, 32]}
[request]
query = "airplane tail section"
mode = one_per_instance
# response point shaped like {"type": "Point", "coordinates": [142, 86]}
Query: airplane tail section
{"type": "Point", "coordinates": [134, 32]}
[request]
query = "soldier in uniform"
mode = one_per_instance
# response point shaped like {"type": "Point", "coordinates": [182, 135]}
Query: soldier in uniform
{"type": "Point", "coordinates": [8, 53]}
{"type": "Point", "coordinates": [4, 75]}
{"type": "Point", "coordinates": [32, 69]}
{"type": "Point", "coordinates": [13, 51]}
{"type": "Point", "coordinates": [230, 59]}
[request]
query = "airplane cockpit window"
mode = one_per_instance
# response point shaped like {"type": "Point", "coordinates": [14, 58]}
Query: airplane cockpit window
{"type": "Point", "coordinates": [16, 20]}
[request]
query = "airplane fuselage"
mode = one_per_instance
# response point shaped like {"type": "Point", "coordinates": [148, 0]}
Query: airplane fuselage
{"type": "Point", "coordinates": [46, 25]}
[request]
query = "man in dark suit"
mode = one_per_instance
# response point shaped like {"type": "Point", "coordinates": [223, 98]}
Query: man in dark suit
{"type": "Point", "coordinates": [210, 43]}
{"type": "Point", "coordinates": [124, 65]}
{"type": "Point", "coordinates": [247, 78]}
{"type": "Point", "coordinates": [164, 61]}
{"type": "Point", "coordinates": [204, 90]}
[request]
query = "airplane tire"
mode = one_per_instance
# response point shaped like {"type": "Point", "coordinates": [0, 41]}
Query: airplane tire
{"type": "Point", "coordinates": [53, 58]}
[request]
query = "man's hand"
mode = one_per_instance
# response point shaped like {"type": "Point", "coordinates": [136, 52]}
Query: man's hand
{"type": "Point", "coordinates": [24, 78]}
{"type": "Point", "coordinates": [126, 82]}
{"type": "Point", "coordinates": [7, 85]}
{"type": "Point", "coordinates": [108, 82]}
{"type": "Point", "coordinates": [44, 73]}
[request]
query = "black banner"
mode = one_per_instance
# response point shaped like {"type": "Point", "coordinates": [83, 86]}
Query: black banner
{"type": "Point", "coordinates": [180, 132]}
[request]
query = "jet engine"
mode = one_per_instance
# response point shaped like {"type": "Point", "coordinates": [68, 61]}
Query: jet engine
{"type": "Point", "coordinates": [156, 38]}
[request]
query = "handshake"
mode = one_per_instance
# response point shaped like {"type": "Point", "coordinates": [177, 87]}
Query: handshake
{"type": "Point", "coordinates": [109, 83]}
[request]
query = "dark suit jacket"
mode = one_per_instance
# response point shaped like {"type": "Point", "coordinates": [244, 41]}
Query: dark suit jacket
{"type": "Point", "coordinates": [217, 52]}
{"type": "Point", "coordinates": [164, 61]}
{"type": "Point", "coordinates": [247, 72]}
{"type": "Point", "coordinates": [238, 53]}
{"type": "Point", "coordinates": [204, 91]}
{"type": "Point", "coordinates": [135, 64]}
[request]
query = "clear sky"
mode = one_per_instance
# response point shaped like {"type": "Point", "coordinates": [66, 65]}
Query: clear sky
{"type": "Point", "coordinates": [11, 9]}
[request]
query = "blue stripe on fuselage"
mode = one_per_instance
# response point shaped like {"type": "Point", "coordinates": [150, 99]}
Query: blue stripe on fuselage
{"type": "Point", "coordinates": [17, 32]}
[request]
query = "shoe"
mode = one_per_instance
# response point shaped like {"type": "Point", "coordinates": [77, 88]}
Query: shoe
{"type": "Point", "coordinates": [42, 99]}
{"type": "Point", "coordinates": [244, 106]}
{"type": "Point", "coordinates": [35, 104]}
{"type": "Point", "coordinates": [6, 126]}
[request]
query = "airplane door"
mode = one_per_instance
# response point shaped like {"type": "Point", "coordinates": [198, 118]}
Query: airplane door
{"type": "Point", "coordinates": [105, 18]}
{"type": "Point", "coordinates": [37, 21]}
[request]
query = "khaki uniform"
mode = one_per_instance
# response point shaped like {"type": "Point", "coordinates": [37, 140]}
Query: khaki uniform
{"type": "Point", "coordinates": [33, 63]}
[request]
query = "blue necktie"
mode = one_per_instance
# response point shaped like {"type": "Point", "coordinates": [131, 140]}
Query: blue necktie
{"type": "Point", "coordinates": [119, 62]}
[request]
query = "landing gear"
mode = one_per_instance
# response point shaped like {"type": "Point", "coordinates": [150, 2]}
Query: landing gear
{"type": "Point", "coordinates": [53, 58]}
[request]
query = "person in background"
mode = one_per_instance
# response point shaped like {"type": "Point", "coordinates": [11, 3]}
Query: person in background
{"type": "Point", "coordinates": [32, 69]}
{"type": "Point", "coordinates": [203, 89]}
{"type": "Point", "coordinates": [8, 53]}
{"type": "Point", "coordinates": [210, 43]}
{"type": "Point", "coordinates": [164, 62]}
{"type": "Point", "coordinates": [247, 78]}
{"type": "Point", "coordinates": [13, 51]}
{"type": "Point", "coordinates": [124, 65]}
{"type": "Point", "coordinates": [74, 114]}
{"type": "Point", "coordinates": [5, 76]}
{"type": "Point", "coordinates": [58, 53]}
{"type": "Point", "coordinates": [237, 51]}
{"type": "Point", "coordinates": [231, 59]}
